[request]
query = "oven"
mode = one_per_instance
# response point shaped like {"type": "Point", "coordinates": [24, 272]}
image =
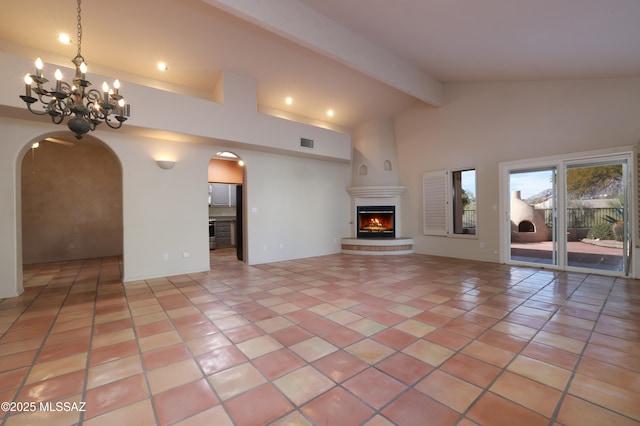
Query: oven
{"type": "Point", "coordinates": [212, 233]}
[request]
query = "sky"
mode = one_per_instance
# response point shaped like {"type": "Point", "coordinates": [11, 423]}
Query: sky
{"type": "Point", "coordinates": [530, 183]}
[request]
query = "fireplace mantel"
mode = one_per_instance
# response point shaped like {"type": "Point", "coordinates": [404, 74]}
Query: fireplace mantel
{"type": "Point", "coordinates": [381, 191]}
{"type": "Point", "coordinates": [373, 196]}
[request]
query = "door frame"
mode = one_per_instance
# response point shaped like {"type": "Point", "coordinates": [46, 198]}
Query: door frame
{"type": "Point", "coordinates": [560, 161]}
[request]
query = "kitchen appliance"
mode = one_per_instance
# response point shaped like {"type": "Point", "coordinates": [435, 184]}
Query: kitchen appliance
{"type": "Point", "coordinates": [212, 233]}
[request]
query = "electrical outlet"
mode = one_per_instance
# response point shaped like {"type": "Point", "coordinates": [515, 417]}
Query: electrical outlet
{"type": "Point", "coordinates": [165, 256]}
{"type": "Point", "coordinates": [186, 254]}
{"type": "Point", "coordinates": [281, 246]}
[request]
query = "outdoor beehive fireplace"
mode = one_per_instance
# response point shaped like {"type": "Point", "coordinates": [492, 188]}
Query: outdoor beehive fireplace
{"type": "Point", "coordinates": [376, 222]}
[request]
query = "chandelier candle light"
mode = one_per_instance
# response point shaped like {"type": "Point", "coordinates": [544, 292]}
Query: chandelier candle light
{"type": "Point", "coordinates": [90, 107]}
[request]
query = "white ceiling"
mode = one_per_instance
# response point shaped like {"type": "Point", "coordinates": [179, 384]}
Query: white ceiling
{"type": "Point", "coordinates": [284, 45]}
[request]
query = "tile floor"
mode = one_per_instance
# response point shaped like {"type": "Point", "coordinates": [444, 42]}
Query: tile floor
{"type": "Point", "coordinates": [334, 340]}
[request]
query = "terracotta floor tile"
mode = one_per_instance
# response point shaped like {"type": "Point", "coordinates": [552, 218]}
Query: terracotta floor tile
{"type": "Point", "coordinates": [236, 380]}
{"type": "Point", "coordinates": [211, 342]}
{"type": "Point", "coordinates": [540, 371]}
{"type": "Point", "coordinates": [54, 352]}
{"type": "Point", "coordinates": [489, 353]}
{"type": "Point", "coordinates": [366, 327]}
{"type": "Point", "coordinates": [113, 352]}
{"type": "Point", "coordinates": [220, 359]}
{"type": "Point", "coordinates": [259, 346]}
{"type": "Point", "coordinates": [342, 336]}
{"type": "Point", "coordinates": [404, 368]}
{"type": "Point", "coordinates": [173, 375]}
{"type": "Point", "coordinates": [449, 390]}
{"type": "Point", "coordinates": [115, 395]}
{"type": "Point", "coordinates": [551, 355]}
{"type": "Point", "coordinates": [606, 395]}
{"type": "Point", "coordinates": [394, 338]}
{"type": "Point", "coordinates": [46, 370]}
{"type": "Point", "coordinates": [303, 384]}
{"type": "Point", "coordinates": [12, 379]}
{"type": "Point", "coordinates": [20, 359]}
{"type": "Point", "coordinates": [447, 339]}
{"type": "Point", "coordinates": [213, 416]}
{"type": "Point", "coordinates": [513, 329]}
{"type": "Point", "coordinates": [369, 351]}
{"type": "Point", "coordinates": [429, 352]}
{"type": "Point", "coordinates": [502, 340]}
{"type": "Point", "coordinates": [137, 413]}
{"type": "Point", "coordinates": [413, 408]}
{"type": "Point", "coordinates": [337, 407]}
{"type": "Point", "coordinates": [277, 363]}
{"type": "Point", "coordinates": [184, 401]}
{"type": "Point", "coordinates": [154, 328]}
{"type": "Point", "coordinates": [291, 335]}
{"type": "Point", "coordinates": [53, 389]}
{"type": "Point", "coordinates": [313, 349]}
{"type": "Point", "coordinates": [242, 333]}
{"type": "Point", "coordinates": [494, 410]}
{"type": "Point", "coordinates": [166, 355]}
{"type": "Point", "coordinates": [618, 376]}
{"type": "Point", "coordinates": [340, 366]}
{"type": "Point", "coordinates": [577, 412]}
{"type": "Point", "coordinates": [561, 342]}
{"type": "Point", "coordinates": [533, 395]}
{"type": "Point", "coordinates": [21, 345]}
{"type": "Point", "coordinates": [471, 369]}
{"type": "Point", "coordinates": [386, 318]}
{"type": "Point", "coordinates": [266, 404]}
{"type": "Point", "coordinates": [112, 338]}
{"type": "Point", "coordinates": [112, 371]}
{"type": "Point", "coordinates": [374, 387]}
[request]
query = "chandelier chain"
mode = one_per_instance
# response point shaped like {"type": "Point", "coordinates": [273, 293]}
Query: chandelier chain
{"type": "Point", "coordinates": [79, 26]}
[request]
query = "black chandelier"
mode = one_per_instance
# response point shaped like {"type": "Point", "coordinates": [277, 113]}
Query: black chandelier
{"type": "Point", "coordinates": [89, 107]}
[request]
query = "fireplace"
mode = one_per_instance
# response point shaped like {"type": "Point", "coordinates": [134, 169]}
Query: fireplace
{"type": "Point", "coordinates": [376, 222]}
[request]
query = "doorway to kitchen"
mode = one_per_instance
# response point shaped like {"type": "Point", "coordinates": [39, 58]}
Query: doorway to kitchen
{"type": "Point", "coordinates": [570, 213]}
{"type": "Point", "coordinates": [226, 178]}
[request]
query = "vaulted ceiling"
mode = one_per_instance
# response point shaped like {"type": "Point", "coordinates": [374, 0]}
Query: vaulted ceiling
{"type": "Point", "coordinates": [365, 59]}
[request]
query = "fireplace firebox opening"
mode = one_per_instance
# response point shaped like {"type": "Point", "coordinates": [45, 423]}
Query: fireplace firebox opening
{"type": "Point", "coordinates": [376, 222]}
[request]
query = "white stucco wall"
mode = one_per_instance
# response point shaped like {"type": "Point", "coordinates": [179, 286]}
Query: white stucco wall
{"type": "Point", "coordinates": [484, 124]}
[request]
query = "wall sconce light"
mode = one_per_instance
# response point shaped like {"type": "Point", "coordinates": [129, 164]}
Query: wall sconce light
{"type": "Point", "coordinates": [166, 164]}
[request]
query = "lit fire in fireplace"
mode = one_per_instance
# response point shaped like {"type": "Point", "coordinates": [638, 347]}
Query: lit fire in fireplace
{"type": "Point", "coordinates": [375, 225]}
{"type": "Point", "coordinates": [376, 222]}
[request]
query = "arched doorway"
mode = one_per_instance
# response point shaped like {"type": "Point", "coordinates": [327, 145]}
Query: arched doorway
{"type": "Point", "coordinates": [226, 177]}
{"type": "Point", "coordinates": [71, 200]}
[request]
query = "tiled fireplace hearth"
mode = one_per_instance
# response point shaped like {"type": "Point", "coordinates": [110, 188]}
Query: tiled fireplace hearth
{"type": "Point", "coordinates": [377, 224]}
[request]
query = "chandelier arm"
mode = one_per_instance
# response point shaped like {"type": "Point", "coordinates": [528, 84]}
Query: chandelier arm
{"type": "Point", "coordinates": [43, 112]}
{"type": "Point", "coordinates": [119, 119]}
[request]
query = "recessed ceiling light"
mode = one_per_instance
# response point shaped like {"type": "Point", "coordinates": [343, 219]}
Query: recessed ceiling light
{"type": "Point", "coordinates": [289, 101]}
{"type": "Point", "coordinates": [64, 38]}
{"type": "Point", "coordinates": [330, 113]}
{"type": "Point", "coordinates": [162, 66]}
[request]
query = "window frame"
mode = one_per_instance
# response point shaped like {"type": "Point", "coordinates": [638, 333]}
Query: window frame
{"type": "Point", "coordinates": [438, 191]}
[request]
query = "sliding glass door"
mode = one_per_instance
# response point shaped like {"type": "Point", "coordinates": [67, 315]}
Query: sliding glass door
{"type": "Point", "coordinates": [570, 214]}
{"type": "Point", "coordinates": [596, 214]}
{"type": "Point", "coordinates": [532, 206]}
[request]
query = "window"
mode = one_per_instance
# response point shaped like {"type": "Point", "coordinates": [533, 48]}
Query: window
{"type": "Point", "coordinates": [449, 202]}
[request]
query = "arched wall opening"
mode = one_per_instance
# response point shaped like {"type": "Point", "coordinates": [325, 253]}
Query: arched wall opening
{"type": "Point", "coordinates": [70, 200]}
{"type": "Point", "coordinates": [227, 195]}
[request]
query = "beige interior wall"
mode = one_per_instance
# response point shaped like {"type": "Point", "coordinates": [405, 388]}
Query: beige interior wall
{"type": "Point", "coordinates": [71, 202]}
{"type": "Point", "coordinates": [484, 124]}
{"type": "Point", "coordinates": [225, 171]}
